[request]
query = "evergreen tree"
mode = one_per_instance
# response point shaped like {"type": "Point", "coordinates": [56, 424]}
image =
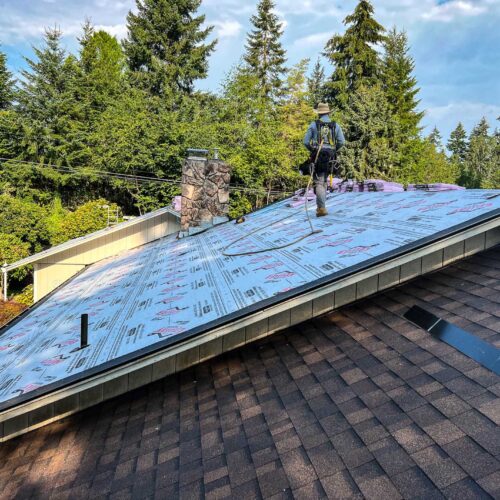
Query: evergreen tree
{"type": "Point", "coordinates": [48, 106]}
{"type": "Point", "coordinates": [316, 84]}
{"type": "Point", "coordinates": [355, 59]}
{"type": "Point", "coordinates": [265, 55]}
{"type": "Point", "coordinates": [102, 65]}
{"type": "Point", "coordinates": [435, 138]}
{"type": "Point", "coordinates": [102, 61]}
{"type": "Point", "coordinates": [481, 129]}
{"type": "Point", "coordinates": [480, 169]}
{"type": "Point", "coordinates": [165, 47]}
{"type": "Point", "coordinates": [457, 144]}
{"type": "Point", "coordinates": [401, 86]}
{"type": "Point", "coordinates": [367, 153]}
{"type": "Point", "coordinates": [6, 84]}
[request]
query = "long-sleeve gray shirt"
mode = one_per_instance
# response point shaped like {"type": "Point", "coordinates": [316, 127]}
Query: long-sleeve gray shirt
{"type": "Point", "coordinates": [311, 137]}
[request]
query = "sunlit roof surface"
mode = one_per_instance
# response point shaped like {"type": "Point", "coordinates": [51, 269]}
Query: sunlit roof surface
{"type": "Point", "coordinates": [167, 288]}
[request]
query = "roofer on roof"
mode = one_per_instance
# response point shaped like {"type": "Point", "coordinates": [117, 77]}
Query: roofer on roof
{"type": "Point", "coordinates": [323, 138]}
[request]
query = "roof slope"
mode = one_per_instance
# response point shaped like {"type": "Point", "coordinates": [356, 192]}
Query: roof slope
{"type": "Point", "coordinates": [359, 403]}
{"type": "Point", "coordinates": [171, 288]}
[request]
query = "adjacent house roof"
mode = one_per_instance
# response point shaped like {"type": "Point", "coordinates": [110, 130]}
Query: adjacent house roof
{"type": "Point", "coordinates": [89, 237]}
{"type": "Point", "coordinates": [170, 289]}
{"type": "Point", "coordinates": [359, 403]}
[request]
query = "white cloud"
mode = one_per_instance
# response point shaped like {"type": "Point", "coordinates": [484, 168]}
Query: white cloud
{"type": "Point", "coordinates": [449, 11]}
{"type": "Point", "coordinates": [314, 40]}
{"type": "Point", "coordinates": [446, 117]}
{"type": "Point", "coordinates": [227, 28]}
{"type": "Point", "coordinates": [118, 30]}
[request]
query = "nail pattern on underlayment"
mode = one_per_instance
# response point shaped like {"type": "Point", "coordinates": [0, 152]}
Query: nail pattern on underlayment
{"type": "Point", "coordinates": [170, 286]}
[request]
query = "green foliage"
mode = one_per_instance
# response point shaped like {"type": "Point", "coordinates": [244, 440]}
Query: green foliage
{"type": "Point", "coordinates": [265, 55]}
{"type": "Point", "coordinates": [355, 59]}
{"type": "Point", "coordinates": [12, 249]}
{"type": "Point", "coordinates": [25, 298]}
{"type": "Point", "coordinates": [132, 110]}
{"type": "Point", "coordinates": [49, 110]}
{"type": "Point", "coordinates": [165, 46]}
{"type": "Point", "coordinates": [88, 218]}
{"type": "Point", "coordinates": [102, 72]}
{"type": "Point", "coordinates": [6, 84]}
{"type": "Point", "coordinates": [368, 153]}
{"type": "Point", "coordinates": [482, 161]}
{"type": "Point", "coordinates": [140, 134]}
{"type": "Point", "coordinates": [316, 85]}
{"type": "Point", "coordinates": [25, 220]}
{"type": "Point", "coordinates": [435, 138]}
{"type": "Point", "coordinates": [425, 164]}
{"type": "Point", "coordinates": [400, 87]}
{"type": "Point", "coordinates": [457, 144]}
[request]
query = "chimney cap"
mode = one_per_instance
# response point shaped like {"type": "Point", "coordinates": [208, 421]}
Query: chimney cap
{"type": "Point", "coordinates": [202, 154]}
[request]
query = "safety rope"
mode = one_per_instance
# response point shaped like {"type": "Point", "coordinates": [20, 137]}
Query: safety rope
{"type": "Point", "coordinates": [280, 247]}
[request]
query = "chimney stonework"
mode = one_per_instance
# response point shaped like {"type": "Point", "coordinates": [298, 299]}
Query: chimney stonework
{"type": "Point", "coordinates": [205, 192]}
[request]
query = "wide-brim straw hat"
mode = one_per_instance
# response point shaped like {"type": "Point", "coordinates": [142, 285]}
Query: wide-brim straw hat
{"type": "Point", "coordinates": [322, 108]}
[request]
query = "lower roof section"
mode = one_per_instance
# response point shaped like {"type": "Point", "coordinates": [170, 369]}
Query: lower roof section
{"type": "Point", "coordinates": [361, 403]}
{"type": "Point", "coordinates": [170, 290]}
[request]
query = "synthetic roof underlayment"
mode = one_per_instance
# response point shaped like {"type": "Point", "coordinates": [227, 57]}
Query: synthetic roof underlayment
{"type": "Point", "coordinates": [172, 288]}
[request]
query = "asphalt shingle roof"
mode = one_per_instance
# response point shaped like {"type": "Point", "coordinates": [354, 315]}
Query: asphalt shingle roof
{"type": "Point", "coordinates": [360, 403]}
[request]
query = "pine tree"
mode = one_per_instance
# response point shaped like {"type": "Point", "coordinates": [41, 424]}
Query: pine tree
{"type": "Point", "coordinates": [355, 59]}
{"type": "Point", "coordinates": [316, 84]}
{"type": "Point", "coordinates": [400, 85]}
{"type": "Point", "coordinates": [435, 138]}
{"type": "Point", "coordinates": [165, 46]}
{"type": "Point", "coordinates": [457, 144]}
{"type": "Point", "coordinates": [265, 56]}
{"type": "Point", "coordinates": [6, 84]}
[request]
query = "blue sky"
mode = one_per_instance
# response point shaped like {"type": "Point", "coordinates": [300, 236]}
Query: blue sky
{"type": "Point", "coordinates": [455, 43]}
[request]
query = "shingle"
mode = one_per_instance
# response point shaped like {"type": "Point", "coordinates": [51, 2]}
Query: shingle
{"type": "Point", "coordinates": [325, 460]}
{"type": "Point", "coordinates": [392, 457]}
{"type": "Point", "coordinates": [480, 429]}
{"type": "Point", "coordinates": [298, 468]}
{"type": "Point", "coordinates": [450, 405]}
{"type": "Point", "coordinates": [373, 483]}
{"type": "Point", "coordinates": [350, 447]}
{"type": "Point", "coordinates": [467, 489]}
{"type": "Point", "coordinates": [312, 435]}
{"type": "Point", "coordinates": [413, 483]}
{"type": "Point", "coordinates": [370, 431]}
{"type": "Point", "coordinates": [472, 458]}
{"type": "Point", "coordinates": [340, 485]}
{"type": "Point", "coordinates": [438, 466]}
{"type": "Point", "coordinates": [464, 387]}
{"type": "Point", "coordinates": [392, 416]}
{"type": "Point", "coordinates": [273, 482]}
{"type": "Point", "coordinates": [372, 405]}
{"type": "Point", "coordinates": [491, 484]}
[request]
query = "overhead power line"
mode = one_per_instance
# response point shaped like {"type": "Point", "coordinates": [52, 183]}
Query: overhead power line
{"type": "Point", "coordinates": [134, 178]}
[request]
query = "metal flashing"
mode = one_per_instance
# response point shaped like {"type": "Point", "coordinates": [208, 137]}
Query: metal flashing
{"type": "Point", "coordinates": [483, 352]}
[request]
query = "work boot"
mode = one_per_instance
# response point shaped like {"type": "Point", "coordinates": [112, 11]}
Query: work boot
{"type": "Point", "coordinates": [321, 212]}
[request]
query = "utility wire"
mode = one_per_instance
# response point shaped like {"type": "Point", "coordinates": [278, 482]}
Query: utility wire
{"type": "Point", "coordinates": [136, 178]}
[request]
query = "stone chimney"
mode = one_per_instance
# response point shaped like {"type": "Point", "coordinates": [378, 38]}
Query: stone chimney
{"type": "Point", "coordinates": [205, 192]}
